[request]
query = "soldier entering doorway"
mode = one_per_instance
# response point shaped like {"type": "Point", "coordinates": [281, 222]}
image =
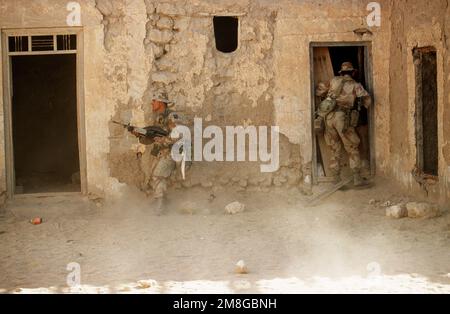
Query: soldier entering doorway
{"type": "Point", "coordinates": [336, 114]}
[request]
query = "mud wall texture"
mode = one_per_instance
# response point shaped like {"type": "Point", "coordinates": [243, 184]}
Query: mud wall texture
{"type": "Point", "coordinates": [136, 48]}
{"type": "Point", "coordinates": [418, 24]}
{"type": "Point", "coordinates": [171, 48]}
{"type": "Point", "coordinates": [176, 47]}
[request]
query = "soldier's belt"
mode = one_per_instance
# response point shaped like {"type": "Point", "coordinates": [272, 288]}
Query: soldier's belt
{"type": "Point", "coordinates": [343, 109]}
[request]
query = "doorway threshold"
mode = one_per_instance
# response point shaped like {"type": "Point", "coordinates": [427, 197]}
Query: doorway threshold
{"type": "Point", "coordinates": [47, 195]}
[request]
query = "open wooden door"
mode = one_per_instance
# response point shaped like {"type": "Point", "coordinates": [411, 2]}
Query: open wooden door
{"type": "Point", "coordinates": [323, 72]}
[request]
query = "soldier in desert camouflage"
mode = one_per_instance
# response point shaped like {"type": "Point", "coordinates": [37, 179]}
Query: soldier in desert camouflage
{"type": "Point", "coordinates": [341, 121]}
{"type": "Point", "coordinates": [161, 148]}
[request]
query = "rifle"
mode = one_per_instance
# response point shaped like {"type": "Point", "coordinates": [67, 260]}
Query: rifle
{"type": "Point", "coordinates": [150, 131]}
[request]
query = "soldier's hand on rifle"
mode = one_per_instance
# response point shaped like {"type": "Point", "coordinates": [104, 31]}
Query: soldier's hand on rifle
{"type": "Point", "coordinates": [136, 134]}
{"type": "Point", "coordinates": [159, 140]}
{"type": "Point", "coordinates": [132, 130]}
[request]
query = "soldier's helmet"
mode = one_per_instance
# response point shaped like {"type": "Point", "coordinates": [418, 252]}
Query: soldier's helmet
{"type": "Point", "coordinates": [162, 97]}
{"type": "Point", "coordinates": [347, 67]}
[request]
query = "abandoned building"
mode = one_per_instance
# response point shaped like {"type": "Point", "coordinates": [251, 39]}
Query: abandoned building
{"type": "Point", "coordinates": [69, 69]}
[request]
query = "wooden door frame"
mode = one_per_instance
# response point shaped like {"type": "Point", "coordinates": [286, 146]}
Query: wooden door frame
{"type": "Point", "coordinates": [7, 85]}
{"type": "Point", "coordinates": [369, 86]}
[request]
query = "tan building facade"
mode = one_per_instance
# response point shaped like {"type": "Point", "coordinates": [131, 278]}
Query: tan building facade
{"type": "Point", "coordinates": [129, 49]}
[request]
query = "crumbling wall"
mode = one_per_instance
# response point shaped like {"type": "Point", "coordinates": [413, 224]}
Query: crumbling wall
{"type": "Point", "coordinates": [134, 48]}
{"type": "Point", "coordinates": [265, 82]}
{"type": "Point", "coordinates": [418, 24]}
{"type": "Point", "coordinates": [222, 89]}
{"type": "Point", "coordinates": [299, 25]}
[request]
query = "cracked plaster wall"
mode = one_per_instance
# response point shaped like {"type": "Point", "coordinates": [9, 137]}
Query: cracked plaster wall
{"type": "Point", "coordinates": [418, 24]}
{"type": "Point", "coordinates": [134, 48]}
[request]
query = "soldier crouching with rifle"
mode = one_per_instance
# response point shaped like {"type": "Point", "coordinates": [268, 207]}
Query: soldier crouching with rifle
{"type": "Point", "coordinates": [158, 136]}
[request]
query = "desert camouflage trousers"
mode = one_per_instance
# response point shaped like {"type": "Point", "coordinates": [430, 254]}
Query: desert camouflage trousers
{"type": "Point", "coordinates": [161, 174]}
{"type": "Point", "coordinates": [337, 137]}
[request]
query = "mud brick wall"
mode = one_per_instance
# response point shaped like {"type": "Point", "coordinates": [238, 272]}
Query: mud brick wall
{"type": "Point", "coordinates": [134, 48]}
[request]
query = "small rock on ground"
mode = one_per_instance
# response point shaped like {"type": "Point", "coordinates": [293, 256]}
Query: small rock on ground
{"type": "Point", "coordinates": [422, 210]}
{"type": "Point", "coordinates": [235, 208]}
{"type": "Point", "coordinates": [397, 212]}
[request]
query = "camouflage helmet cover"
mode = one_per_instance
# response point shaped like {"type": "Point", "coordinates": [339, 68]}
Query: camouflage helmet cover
{"type": "Point", "coordinates": [347, 67]}
{"type": "Point", "coordinates": [162, 97]}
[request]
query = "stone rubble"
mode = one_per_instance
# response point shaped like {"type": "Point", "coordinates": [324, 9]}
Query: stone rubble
{"type": "Point", "coordinates": [397, 212]}
{"type": "Point", "coordinates": [234, 208]}
{"type": "Point", "coordinates": [422, 210]}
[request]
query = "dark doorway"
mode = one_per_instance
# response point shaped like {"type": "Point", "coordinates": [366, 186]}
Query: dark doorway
{"type": "Point", "coordinates": [326, 63]}
{"type": "Point", "coordinates": [44, 124]}
{"type": "Point", "coordinates": [427, 110]}
{"type": "Point", "coordinates": [354, 54]}
{"type": "Point", "coordinates": [226, 33]}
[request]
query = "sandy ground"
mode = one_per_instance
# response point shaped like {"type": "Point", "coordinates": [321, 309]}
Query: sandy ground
{"type": "Point", "coordinates": [344, 245]}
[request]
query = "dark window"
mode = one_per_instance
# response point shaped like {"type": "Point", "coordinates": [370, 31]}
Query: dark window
{"type": "Point", "coordinates": [427, 110]}
{"type": "Point", "coordinates": [226, 33]}
{"type": "Point", "coordinates": [66, 42]}
{"type": "Point", "coordinates": [42, 43]}
{"type": "Point", "coordinates": [18, 43]}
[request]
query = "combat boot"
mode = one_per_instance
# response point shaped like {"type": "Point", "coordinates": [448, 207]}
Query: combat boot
{"type": "Point", "coordinates": [359, 181]}
{"type": "Point", "coordinates": [159, 205]}
{"type": "Point", "coordinates": [337, 178]}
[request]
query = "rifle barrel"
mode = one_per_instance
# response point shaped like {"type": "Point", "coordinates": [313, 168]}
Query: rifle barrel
{"type": "Point", "coordinates": [120, 123]}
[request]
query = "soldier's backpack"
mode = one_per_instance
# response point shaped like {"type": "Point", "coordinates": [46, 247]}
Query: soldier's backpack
{"type": "Point", "coordinates": [329, 103]}
{"type": "Point", "coordinates": [327, 106]}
